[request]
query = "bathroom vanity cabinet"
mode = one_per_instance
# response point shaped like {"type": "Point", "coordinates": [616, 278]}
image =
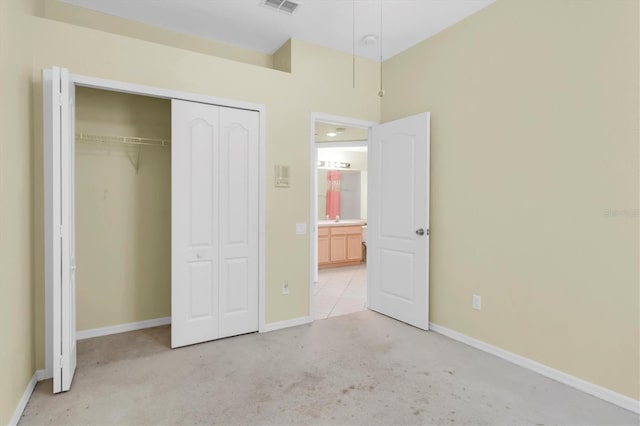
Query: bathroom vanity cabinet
{"type": "Point", "coordinates": [339, 244]}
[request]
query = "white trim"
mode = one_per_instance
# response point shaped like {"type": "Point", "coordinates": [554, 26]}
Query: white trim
{"type": "Point", "coordinates": [273, 326]}
{"type": "Point", "coordinates": [23, 401]}
{"type": "Point", "coordinates": [557, 375]}
{"type": "Point", "coordinates": [158, 92]}
{"type": "Point", "coordinates": [342, 144]}
{"type": "Point", "coordinates": [43, 375]}
{"type": "Point", "coordinates": [121, 328]}
{"type": "Point", "coordinates": [262, 222]}
{"type": "Point", "coordinates": [313, 215]}
{"type": "Point", "coordinates": [313, 187]}
{"type": "Point", "coordinates": [340, 120]}
{"type": "Point", "coordinates": [138, 89]}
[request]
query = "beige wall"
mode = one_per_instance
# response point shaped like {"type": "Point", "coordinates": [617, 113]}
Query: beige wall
{"type": "Point", "coordinates": [17, 353]}
{"type": "Point", "coordinates": [534, 141]}
{"type": "Point", "coordinates": [56, 10]}
{"type": "Point", "coordinates": [321, 82]}
{"type": "Point", "coordinates": [123, 215]}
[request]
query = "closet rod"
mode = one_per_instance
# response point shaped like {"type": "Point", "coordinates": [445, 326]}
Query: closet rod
{"type": "Point", "coordinates": [128, 140]}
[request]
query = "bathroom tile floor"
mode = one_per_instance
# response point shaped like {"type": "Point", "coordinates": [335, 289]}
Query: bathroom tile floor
{"type": "Point", "coordinates": [340, 291]}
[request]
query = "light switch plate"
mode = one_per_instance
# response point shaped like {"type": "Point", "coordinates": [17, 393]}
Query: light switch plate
{"type": "Point", "coordinates": [281, 176]}
{"type": "Point", "coordinates": [301, 228]}
{"type": "Point", "coordinates": [476, 302]}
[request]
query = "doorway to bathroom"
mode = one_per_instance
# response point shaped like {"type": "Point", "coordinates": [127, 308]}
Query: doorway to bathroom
{"type": "Point", "coordinates": [395, 252]}
{"type": "Point", "coordinates": [339, 196]}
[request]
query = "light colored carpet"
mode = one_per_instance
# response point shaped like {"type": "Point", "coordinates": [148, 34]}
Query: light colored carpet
{"type": "Point", "coordinates": [362, 368]}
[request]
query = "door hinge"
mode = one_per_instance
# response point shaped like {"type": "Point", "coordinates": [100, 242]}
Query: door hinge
{"type": "Point", "coordinates": [60, 232]}
{"type": "Point", "coordinates": [60, 98]}
{"type": "Point", "coordinates": [60, 365]}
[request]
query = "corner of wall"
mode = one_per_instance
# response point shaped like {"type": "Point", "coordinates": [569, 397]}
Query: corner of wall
{"type": "Point", "coordinates": [282, 57]}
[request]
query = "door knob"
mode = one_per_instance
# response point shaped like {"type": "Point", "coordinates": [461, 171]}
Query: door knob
{"type": "Point", "coordinates": [420, 231]}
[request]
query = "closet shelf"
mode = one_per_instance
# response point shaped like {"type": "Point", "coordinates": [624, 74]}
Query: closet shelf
{"type": "Point", "coordinates": [127, 140]}
{"type": "Point", "coordinates": [132, 153]}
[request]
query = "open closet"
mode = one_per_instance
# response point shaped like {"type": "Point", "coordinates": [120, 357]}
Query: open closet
{"type": "Point", "coordinates": [122, 209]}
{"type": "Point", "coordinates": [154, 211]}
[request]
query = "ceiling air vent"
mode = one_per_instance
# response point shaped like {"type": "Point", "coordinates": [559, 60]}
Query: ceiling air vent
{"type": "Point", "coordinates": [286, 6]}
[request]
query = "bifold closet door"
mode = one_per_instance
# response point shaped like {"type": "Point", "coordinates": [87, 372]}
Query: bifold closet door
{"type": "Point", "coordinates": [59, 207]}
{"type": "Point", "coordinates": [214, 210]}
{"type": "Point", "coordinates": [239, 221]}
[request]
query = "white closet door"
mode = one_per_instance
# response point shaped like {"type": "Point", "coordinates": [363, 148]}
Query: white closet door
{"type": "Point", "coordinates": [59, 183]}
{"type": "Point", "coordinates": [214, 283]}
{"type": "Point", "coordinates": [69, 233]}
{"type": "Point", "coordinates": [239, 165]}
{"type": "Point", "coordinates": [194, 223]}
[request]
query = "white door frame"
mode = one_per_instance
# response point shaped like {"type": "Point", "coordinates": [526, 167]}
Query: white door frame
{"type": "Point", "coordinates": [157, 92]}
{"type": "Point", "coordinates": [313, 187]}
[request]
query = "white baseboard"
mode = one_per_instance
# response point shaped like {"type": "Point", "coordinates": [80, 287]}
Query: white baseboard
{"type": "Point", "coordinates": [43, 375]}
{"type": "Point", "coordinates": [557, 375]}
{"type": "Point", "coordinates": [286, 324]}
{"type": "Point", "coordinates": [121, 328]}
{"type": "Point", "coordinates": [23, 401]}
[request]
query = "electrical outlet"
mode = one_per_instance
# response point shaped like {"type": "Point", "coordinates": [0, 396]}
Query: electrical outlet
{"type": "Point", "coordinates": [285, 287]}
{"type": "Point", "coordinates": [301, 228]}
{"type": "Point", "coordinates": [476, 303]}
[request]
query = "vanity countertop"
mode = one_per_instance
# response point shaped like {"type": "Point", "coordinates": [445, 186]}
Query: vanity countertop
{"type": "Point", "coordinates": [352, 222]}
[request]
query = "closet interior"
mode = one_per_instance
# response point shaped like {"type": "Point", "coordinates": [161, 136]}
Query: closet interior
{"type": "Point", "coordinates": [122, 208]}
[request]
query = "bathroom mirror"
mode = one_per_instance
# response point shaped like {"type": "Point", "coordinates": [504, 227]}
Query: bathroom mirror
{"type": "Point", "coordinates": [339, 194]}
{"type": "Point", "coordinates": [341, 171]}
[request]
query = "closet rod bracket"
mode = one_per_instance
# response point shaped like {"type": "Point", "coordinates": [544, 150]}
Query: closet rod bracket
{"type": "Point", "coordinates": [134, 157]}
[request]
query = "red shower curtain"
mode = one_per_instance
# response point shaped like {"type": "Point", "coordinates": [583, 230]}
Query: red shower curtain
{"type": "Point", "coordinates": [333, 194]}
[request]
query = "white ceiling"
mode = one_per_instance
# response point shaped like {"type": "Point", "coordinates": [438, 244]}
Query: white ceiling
{"type": "Point", "coordinates": [328, 23]}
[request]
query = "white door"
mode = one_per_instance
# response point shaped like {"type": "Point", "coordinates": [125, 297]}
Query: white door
{"type": "Point", "coordinates": [214, 183]}
{"type": "Point", "coordinates": [398, 220]}
{"type": "Point", "coordinates": [239, 228]}
{"type": "Point", "coordinates": [59, 182]}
